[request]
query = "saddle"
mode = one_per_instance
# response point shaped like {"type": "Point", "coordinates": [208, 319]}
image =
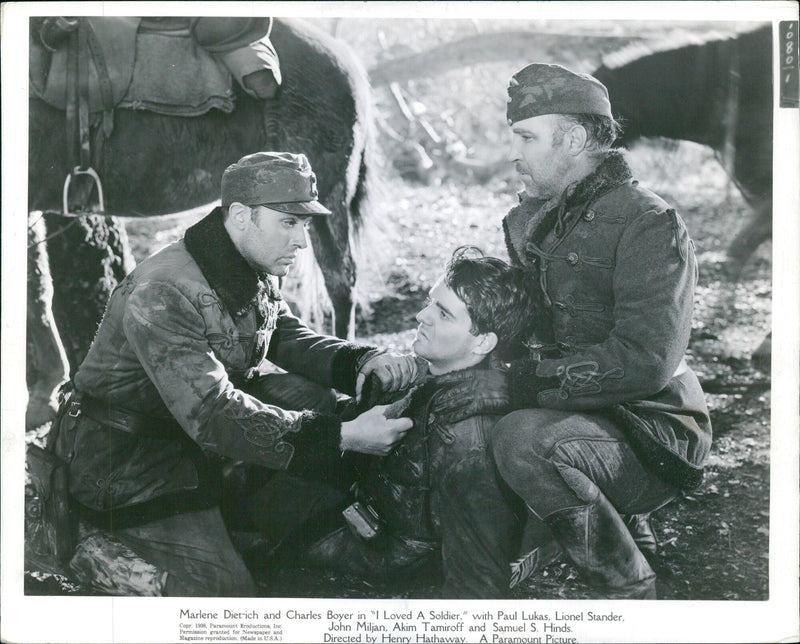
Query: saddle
{"type": "Point", "coordinates": [175, 66]}
{"type": "Point", "coordinates": [88, 66]}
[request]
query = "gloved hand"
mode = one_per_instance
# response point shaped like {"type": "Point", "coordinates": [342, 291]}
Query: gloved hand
{"type": "Point", "coordinates": [395, 371]}
{"type": "Point", "coordinates": [470, 393]}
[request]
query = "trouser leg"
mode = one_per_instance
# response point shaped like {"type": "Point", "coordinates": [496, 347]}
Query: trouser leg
{"type": "Point", "coordinates": [196, 552]}
{"type": "Point", "coordinates": [385, 558]}
{"type": "Point", "coordinates": [641, 528]}
{"type": "Point", "coordinates": [280, 505]}
{"type": "Point", "coordinates": [288, 505]}
{"type": "Point", "coordinates": [577, 472]}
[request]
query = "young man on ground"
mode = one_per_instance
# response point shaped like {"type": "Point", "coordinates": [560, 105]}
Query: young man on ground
{"type": "Point", "coordinates": [438, 493]}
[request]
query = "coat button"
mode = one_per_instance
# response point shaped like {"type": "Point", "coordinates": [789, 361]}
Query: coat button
{"type": "Point", "coordinates": [572, 259]}
{"type": "Point", "coordinates": [589, 215]}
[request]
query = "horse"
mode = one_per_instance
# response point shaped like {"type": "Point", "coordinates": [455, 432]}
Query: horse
{"type": "Point", "coordinates": [717, 93]}
{"type": "Point", "coordinates": [154, 164]}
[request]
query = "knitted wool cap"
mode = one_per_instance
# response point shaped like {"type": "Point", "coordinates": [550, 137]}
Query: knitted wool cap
{"type": "Point", "coordinates": [552, 89]}
{"type": "Point", "coordinates": [279, 180]}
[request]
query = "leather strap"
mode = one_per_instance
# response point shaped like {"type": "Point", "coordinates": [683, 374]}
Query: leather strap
{"type": "Point", "coordinates": [100, 411]}
{"type": "Point", "coordinates": [72, 98]}
{"type": "Point", "coordinates": [104, 79]}
{"type": "Point", "coordinates": [83, 94]}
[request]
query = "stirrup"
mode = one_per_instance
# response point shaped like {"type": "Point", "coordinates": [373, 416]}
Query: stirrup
{"type": "Point", "coordinates": [65, 199]}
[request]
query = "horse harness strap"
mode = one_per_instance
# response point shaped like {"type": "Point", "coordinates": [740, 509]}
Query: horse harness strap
{"type": "Point", "coordinates": [82, 48]}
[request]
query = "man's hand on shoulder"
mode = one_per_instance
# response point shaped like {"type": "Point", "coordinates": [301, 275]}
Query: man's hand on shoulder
{"type": "Point", "coordinates": [395, 371]}
{"type": "Point", "coordinates": [470, 393]}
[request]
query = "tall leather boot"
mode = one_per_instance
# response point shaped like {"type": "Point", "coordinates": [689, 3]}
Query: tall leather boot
{"type": "Point", "coordinates": [641, 528]}
{"type": "Point", "coordinates": [598, 543]}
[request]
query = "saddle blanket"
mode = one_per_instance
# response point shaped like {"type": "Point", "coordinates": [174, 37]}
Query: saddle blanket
{"type": "Point", "coordinates": [174, 75]}
{"type": "Point", "coordinates": [167, 72]}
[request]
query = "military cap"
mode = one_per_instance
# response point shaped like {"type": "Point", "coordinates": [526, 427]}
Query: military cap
{"type": "Point", "coordinates": [552, 89]}
{"type": "Point", "coordinates": [279, 180]}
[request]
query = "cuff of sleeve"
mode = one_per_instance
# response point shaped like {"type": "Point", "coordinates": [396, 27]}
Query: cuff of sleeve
{"type": "Point", "coordinates": [346, 364]}
{"type": "Point", "coordinates": [524, 385]}
{"type": "Point", "coordinates": [317, 447]}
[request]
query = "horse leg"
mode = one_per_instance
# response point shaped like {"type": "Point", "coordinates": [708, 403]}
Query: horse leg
{"type": "Point", "coordinates": [47, 364]}
{"type": "Point", "coordinates": [333, 253]}
{"type": "Point", "coordinates": [338, 270]}
{"type": "Point", "coordinates": [89, 256]}
{"type": "Point", "coordinates": [756, 230]}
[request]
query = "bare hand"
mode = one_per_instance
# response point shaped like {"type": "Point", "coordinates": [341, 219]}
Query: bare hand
{"type": "Point", "coordinates": [373, 433]}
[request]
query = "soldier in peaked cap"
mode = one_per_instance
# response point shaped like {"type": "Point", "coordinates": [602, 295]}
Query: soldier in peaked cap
{"type": "Point", "coordinates": [171, 389]}
{"type": "Point", "coordinates": [609, 420]}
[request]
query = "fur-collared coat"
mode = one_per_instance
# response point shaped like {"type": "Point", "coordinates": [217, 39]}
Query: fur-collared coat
{"type": "Point", "coordinates": [181, 340]}
{"type": "Point", "coordinates": [616, 272]}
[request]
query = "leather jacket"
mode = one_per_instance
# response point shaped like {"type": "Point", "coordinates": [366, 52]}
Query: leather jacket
{"type": "Point", "coordinates": [441, 485]}
{"type": "Point", "coordinates": [180, 346]}
{"type": "Point", "coordinates": [616, 273]}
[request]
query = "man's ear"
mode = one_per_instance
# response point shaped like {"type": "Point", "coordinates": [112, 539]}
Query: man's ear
{"type": "Point", "coordinates": [486, 343]}
{"type": "Point", "coordinates": [238, 214]}
{"type": "Point", "coordinates": [577, 138]}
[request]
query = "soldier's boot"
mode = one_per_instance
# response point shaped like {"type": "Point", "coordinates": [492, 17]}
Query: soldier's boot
{"type": "Point", "coordinates": [641, 529]}
{"type": "Point", "coordinates": [595, 538]}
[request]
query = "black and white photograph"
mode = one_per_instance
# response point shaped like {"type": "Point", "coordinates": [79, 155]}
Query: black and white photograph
{"type": "Point", "coordinates": [337, 316]}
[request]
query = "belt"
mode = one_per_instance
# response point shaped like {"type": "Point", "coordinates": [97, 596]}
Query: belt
{"type": "Point", "coordinates": [109, 415]}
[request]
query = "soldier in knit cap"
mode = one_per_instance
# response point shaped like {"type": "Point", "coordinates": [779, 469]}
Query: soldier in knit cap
{"type": "Point", "coordinates": [172, 390]}
{"type": "Point", "coordinates": [611, 423]}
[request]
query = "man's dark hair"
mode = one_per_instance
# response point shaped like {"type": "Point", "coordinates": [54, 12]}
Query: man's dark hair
{"type": "Point", "coordinates": [601, 130]}
{"type": "Point", "coordinates": [497, 298]}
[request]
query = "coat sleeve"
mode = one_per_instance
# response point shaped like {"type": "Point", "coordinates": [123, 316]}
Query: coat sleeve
{"type": "Point", "coordinates": [167, 334]}
{"type": "Point", "coordinates": [328, 361]}
{"type": "Point", "coordinates": [653, 292]}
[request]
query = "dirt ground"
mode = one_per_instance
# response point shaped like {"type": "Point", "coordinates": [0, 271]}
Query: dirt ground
{"type": "Point", "coordinates": [713, 542]}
